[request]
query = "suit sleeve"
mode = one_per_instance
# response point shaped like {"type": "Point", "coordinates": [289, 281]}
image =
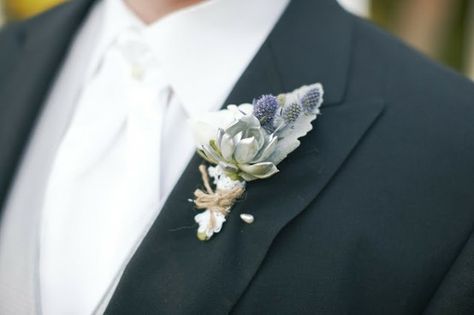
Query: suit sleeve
{"type": "Point", "coordinates": [455, 295]}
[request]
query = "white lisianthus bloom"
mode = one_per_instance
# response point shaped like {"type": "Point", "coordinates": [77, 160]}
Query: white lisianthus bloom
{"type": "Point", "coordinates": [210, 222]}
{"type": "Point", "coordinates": [205, 126]}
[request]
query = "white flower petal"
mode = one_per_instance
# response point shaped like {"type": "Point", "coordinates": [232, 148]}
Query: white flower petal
{"type": "Point", "coordinates": [210, 222]}
{"type": "Point", "coordinates": [227, 147]}
{"type": "Point", "coordinates": [236, 127]}
{"type": "Point", "coordinates": [220, 134]}
{"type": "Point", "coordinates": [246, 150]}
{"type": "Point", "coordinates": [267, 151]}
{"type": "Point", "coordinates": [247, 177]}
{"type": "Point", "coordinates": [259, 134]}
{"type": "Point", "coordinates": [260, 170]}
{"type": "Point", "coordinates": [211, 154]}
{"type": "Point", "coordinates": [250, 121]}
{"type": "Point", "coordinates": [246, 108]}
{"type": "Point", "coordinates": [238, 136]}
{"type": "Point", "coordinates": [227, 167]}
{"type": "Point", "coordinates": [205, 126]}
{"type": "Point", "coordinates": [219, 220]}
{"type": "Point", "coordinates": [203, 132]}
{"type": "Point", "coordinates": [206, 157]}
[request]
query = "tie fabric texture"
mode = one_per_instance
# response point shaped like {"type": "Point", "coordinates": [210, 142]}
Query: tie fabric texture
{"type": "Point", "coordinates": [104, 188]}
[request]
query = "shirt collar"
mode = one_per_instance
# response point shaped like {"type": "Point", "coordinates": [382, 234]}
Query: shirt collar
{"type": "Point", "coordinates": [203, 49]}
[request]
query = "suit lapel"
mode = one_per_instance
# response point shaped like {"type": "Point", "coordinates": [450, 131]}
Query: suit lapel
{"type": "Point", "coordinates": [174, 273]}
{"type": "Point", "coordinates": [45, 44]}
{"type": "Point", "coordinates": [171, 271]}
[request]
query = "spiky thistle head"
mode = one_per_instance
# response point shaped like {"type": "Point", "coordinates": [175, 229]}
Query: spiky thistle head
{"type": "Point", "coordinates": [291, 113]}
{"type": "Point", "coordinates": [311, 100]}
{"type": "Point", "coordinates": [265, 109]}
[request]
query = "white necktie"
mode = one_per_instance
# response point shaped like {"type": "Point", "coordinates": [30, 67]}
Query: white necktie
{"type": "Point", "coordinates": [104, 188]}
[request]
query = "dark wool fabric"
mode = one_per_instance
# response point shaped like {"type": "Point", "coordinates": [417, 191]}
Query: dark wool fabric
{"type": "Point", "coordinates": [373, 214]}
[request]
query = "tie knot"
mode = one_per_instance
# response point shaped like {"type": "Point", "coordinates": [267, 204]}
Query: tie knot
{"type": "Point", "coordinates": [137, 53]}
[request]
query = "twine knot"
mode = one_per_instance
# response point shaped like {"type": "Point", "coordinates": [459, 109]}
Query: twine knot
{"type": "Point", "coordinates": [220, 201]}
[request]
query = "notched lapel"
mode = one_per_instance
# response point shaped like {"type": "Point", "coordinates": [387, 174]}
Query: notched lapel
{"type": "Point", "coordinates": [174, 273]}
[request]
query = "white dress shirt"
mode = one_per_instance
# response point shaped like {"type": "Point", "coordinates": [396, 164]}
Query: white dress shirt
{"type": "Point", "coordinates": [198, 55]}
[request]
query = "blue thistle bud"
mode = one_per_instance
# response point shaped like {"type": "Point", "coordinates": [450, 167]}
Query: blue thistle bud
{"type": "Point", "coordinates": [291, 113]}
{"type": "Point", "coordinates": [265, 109]}
{"type": "Point", "coordinates": [311, 100]}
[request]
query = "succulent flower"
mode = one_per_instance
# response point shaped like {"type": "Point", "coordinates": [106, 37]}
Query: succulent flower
{"type": "Point", "coordinates": [242, 149]}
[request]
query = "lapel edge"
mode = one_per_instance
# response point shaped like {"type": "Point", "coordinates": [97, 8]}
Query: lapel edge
{"type": "Point", "coordinates": [325, 167]}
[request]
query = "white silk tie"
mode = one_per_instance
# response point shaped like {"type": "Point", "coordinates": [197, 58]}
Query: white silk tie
{"type": "Point", "coordinates": [104, 187]}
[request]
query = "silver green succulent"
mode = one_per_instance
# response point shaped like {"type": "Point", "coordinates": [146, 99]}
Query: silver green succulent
{"type": "Point", "coordinates": [257, 137]}
{"type": "Point", "coordinates": [242, 149]}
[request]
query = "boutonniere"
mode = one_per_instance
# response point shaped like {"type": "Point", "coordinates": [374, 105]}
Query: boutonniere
{"type": "Point", "coordinates": [246, 143]}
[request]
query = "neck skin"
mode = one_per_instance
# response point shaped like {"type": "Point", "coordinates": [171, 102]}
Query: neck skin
{"type": "Point", "coordinates": [150, 11]}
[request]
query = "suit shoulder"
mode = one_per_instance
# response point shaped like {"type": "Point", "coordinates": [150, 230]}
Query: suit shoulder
{"type": "Point", "coordinates": [15, 30]}
{"type": "Point", "coordinates": [384, 67]}
{"type": "Point", "coordinates": [428, 105]}
{"type": "Point", "coordinates": [10, 34]}
{"type": "Point", "coordinates": [42, 18]}
{"type": "Point", "coordinates": [15, 36]}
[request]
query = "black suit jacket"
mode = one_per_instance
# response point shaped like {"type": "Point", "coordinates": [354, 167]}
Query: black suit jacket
{"type": "Point", "coordinates": [373, 214]}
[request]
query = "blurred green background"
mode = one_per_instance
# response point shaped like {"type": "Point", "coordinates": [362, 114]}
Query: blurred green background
{"type": "Point", "coordinates": [442, 29]}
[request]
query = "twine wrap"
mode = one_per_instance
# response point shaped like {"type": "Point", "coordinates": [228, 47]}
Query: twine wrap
{"type": "Point", "coordinates": [218, 201]}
